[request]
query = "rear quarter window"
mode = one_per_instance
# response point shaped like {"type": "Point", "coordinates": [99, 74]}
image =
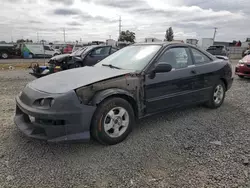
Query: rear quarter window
{"type": "Point", "coordinates": [199, 57]}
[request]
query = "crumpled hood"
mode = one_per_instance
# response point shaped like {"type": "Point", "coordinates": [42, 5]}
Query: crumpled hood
{"type": "Point", "coordinates": [68, 80]}
{"type": "Point", "coordinates": [60, 57]}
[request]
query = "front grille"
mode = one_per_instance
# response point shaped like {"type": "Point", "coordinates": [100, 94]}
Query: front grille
{"type": "Point", "coordinates": [49, 121]}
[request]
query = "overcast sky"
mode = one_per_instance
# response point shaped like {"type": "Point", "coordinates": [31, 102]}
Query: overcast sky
{"type": "Point", "coordinates": [98, 19]}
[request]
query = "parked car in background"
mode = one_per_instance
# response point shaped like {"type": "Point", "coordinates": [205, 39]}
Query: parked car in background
{"type": "Point", "coordinates": [7, 50]}
{"type": "Point", "coordinates": [68, 49]}
{"type": "Point", "coordinates": [38, 50]}
{"type": "Point", "coordinates": [245, 52]}
{"type": "Point", "coordinates": [85, 56]}
{"type": "Point", "coordinates": [242, 69]}
{"type": "Point", "coordinates": [104, 101]}
{"type": "Point", "coordinates": [218, 50]}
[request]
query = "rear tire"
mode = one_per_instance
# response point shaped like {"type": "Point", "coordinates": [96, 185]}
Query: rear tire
{"type": "Point", "coordinates": [240, 76]}
{"type": "Point", "coordinates": [4, 55]}
{"type": "Point", "coordinates": [217, 95]}
{"type": "Point", "coordinates": [112, 121]}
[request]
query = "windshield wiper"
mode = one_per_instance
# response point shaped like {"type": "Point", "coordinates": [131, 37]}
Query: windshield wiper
{"type": "Point", "coordinates": [111, 66]}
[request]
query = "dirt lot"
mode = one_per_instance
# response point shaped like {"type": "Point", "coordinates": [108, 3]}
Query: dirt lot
{"type": "Point", "coordinates": [193, 147]}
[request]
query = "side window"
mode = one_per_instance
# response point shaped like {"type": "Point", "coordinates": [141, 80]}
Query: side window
{"type": "Point", "coordinates": [199, 57]}
{"type": "Point", "coordinates": [177, 57]}
{"type": "Point", "coordinates": [46, 48]}
{"type": "Point", "coordinates": [101, 51]}
{"type": "Point", "coordinates": [113, 50]}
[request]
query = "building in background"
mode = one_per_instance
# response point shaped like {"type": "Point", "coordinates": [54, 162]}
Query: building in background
{"type": "Point", "coordinates": [192, 41]}
{"type": "Point", "coordinates": [111, 42]}
{"type": "Point", "coordinates": [206, 42]}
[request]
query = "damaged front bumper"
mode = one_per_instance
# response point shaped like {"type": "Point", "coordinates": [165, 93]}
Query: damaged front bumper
{"type": "Point", "coordinates": [67, 120]}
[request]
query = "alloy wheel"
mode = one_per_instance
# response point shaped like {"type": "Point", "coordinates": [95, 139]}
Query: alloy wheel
{"type": "Point", "coordinates": [218, 94]}
{"type": "Point", "coordinates": [4, 55]}
{"type": "Point", "coordinates": [116, 122]}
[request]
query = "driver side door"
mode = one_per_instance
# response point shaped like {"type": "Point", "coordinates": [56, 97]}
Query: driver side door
{"type": "Point", "coordinates": [174, 88]}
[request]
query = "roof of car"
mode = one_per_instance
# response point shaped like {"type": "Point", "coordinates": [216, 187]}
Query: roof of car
{"type": "Point", "coordinates": [159, 43]}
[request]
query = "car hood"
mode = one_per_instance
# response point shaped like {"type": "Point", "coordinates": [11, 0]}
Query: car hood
{"type": "Point", "coordinates": [59, 57]}
{"type": "Point", "coordinates": [68, 80]}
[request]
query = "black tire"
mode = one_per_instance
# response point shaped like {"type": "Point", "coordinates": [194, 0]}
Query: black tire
{"type": "Point", "coordinates": [97, 126]}
{"type": "Point", "coordinates": [211, 103]}
{"type": "Point", "coordinates": [75, 65]}
{"type": "Point", "coordinates": [4, 55]}
{"type": "Point", "coordinates": [240, 76]}
{"type": "Point", "coordinates": [31, 56]}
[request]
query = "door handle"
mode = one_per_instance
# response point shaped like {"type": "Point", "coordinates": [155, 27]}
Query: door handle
{"type": "Point", "coordinates": [193, 71]}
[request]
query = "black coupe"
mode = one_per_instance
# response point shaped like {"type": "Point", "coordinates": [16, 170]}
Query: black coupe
{"type": "Point", "coordinates": [104, 100]}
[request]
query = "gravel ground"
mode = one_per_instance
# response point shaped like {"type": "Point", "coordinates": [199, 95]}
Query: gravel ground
{"type": "Point", "coordinates": [192, 147]}
{"type": "Point", "coordinates": [14, 61]}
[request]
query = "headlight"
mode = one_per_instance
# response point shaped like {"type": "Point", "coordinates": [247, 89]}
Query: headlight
{"type": "Point", "coordinates": [241, 62]}
{"type": "Point", "coordinates": [84, 94]}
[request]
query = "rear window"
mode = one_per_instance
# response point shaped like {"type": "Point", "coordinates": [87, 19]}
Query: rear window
{"type": "Point", "coordinates": [215, 47]}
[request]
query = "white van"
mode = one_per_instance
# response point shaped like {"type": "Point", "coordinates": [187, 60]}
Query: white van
{"type": "Point", "coordinates": [38, 50]}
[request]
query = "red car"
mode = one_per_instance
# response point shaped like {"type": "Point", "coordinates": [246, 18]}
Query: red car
{"type": "Point", "coordinates": [68, 49]}
{"type": "Point", "coordinates": [242, 69]}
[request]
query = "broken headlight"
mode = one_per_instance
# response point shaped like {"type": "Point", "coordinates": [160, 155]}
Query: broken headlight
{"type": "Point", "coordinates": [85, 94]}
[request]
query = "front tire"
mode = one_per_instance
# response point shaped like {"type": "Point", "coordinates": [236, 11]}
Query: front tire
{"type": "Point", "coordinates": [4, 55]}
{"type": "Point", "coordinates": [112, 121]}
{"type": "Point", "coordinates": [217, 95]}
{"type": "Point", "coordinates": [75, 65]}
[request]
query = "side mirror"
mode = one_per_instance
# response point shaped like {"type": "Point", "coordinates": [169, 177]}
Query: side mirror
{"type": "Point", "coordinates": [162, 67]}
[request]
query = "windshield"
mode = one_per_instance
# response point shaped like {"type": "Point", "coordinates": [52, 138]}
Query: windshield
{"type": "Point", "coordinates": [131, 57]}
{"type": "Point", "coordinates": [79, 52]}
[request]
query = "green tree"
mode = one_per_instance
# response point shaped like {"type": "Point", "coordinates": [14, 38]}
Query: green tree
{"type": "Point", "coordinates": [169, 34]}
{"type": "Point", "coordinates": [20, 41]}
{"type": "Point", "coordinates": [127, 36]}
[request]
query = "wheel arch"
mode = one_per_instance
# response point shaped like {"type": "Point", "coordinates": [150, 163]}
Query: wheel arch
{"type": "Point", "coordinates": [225, 82]}
{"type": "Point", "coordinates": [115, 92]}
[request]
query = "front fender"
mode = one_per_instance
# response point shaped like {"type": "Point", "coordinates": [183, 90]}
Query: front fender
{"type": "Point", "coordinates": [101, 95]}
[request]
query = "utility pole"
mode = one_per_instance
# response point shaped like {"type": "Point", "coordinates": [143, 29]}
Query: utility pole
{"type": "Point", "coordinates": [37, 37]}
{"type": "Point", "coordinates": [64, 34]}
{"type": "Point", "coordinates": [120, 27]}
{"type": "Point", "coordinates": [215, 31]}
